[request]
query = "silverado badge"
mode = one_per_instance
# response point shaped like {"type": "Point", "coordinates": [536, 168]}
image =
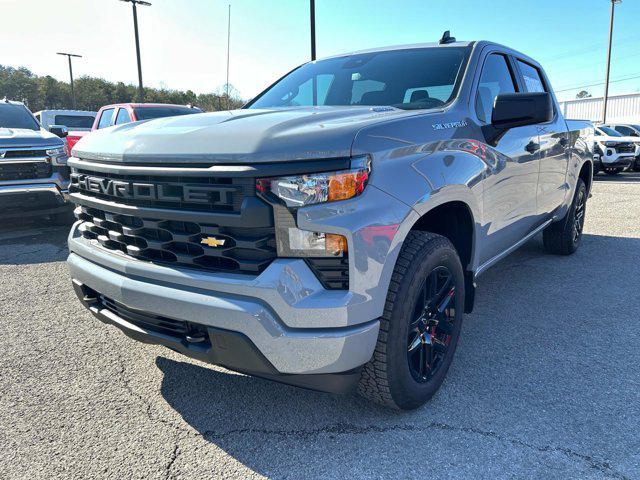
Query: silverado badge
{"type": "Point", "coordinates": [212, 241]}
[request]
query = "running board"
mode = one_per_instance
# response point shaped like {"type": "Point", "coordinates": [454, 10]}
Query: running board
{"type": "Point", "coordinates": [511, 249]}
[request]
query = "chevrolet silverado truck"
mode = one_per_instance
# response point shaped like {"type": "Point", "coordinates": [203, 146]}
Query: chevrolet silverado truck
{"type": "Point", "coordinates": [613, 152]}
{"type": "Point", "coordinates": [330, 233]}
{"type": "Point", "coordinates": [34, 176]}
{"type": "Point", "coordinates": [632, 131]}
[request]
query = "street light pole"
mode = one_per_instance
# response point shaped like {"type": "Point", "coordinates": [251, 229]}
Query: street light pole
{"type": "Point", "coordinates": [312, 13]}
{"type": "Point", "coordinates": [228, 50]}
{"type": "Point", "coordinates": [73, 95]}
{"type": "Point", "coordinates": [606, 82]}
{"type": "Point", "coordinates": [134, 4]}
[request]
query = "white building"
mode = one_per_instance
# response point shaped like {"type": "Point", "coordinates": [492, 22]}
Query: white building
{"type": "Point", "coordinates": [620, 108]}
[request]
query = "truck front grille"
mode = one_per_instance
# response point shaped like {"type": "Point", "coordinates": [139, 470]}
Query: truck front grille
{"type": "Point", "coordinates": [24, 170]}
{"type": "Point", "coordinates": [205, 194]}
{"type": "Point", "coordinates": [17, 153]}
{"type": "Point", "coordinates": [180, 243]}
{"type": "Point", "coordinates": [625, 148]}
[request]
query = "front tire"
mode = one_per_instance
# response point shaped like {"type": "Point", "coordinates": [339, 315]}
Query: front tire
{"type": "Point", "coordinates": [563, 237]}
{"type": "Point", "coordinates": [420, 326]}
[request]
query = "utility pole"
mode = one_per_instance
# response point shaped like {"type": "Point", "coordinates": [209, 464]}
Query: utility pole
{"type": "Point", "coordinates": [134, 4]}
{"type": "Point", "coordinates": [312, 12]}
{"type": "Point", "coordinates": [73, 95]}
{"type": "Point", "coordinates": [228, 50]}
{"type": "Point", "coordinates": [606, 82]}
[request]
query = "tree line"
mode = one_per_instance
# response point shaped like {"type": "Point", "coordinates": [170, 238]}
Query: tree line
{"type": "Point", "coordinates": [47, 93]}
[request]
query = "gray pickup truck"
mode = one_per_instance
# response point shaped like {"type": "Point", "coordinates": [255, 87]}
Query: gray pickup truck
{"type": "Point", "coordinates": [330, 233]}
{"type": "Point", "coordinates": [34, 176]}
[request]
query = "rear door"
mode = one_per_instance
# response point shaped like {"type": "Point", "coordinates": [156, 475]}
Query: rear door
{"type": "Point", "coordinates": [554, 154]}
{"type": "Point", "coordinates": [510, 188]}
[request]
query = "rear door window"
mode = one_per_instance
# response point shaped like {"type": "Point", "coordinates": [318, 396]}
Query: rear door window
{"type": "Point", "coordinates": [123, 117]}
{"type": "Point", "coordinates": [532, 78]}
{"type": "Point", "coordinates": [105, 118]}
{"type": "Point", "coordinates": [496, 78]}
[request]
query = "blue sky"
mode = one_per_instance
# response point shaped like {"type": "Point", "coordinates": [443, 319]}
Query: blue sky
{"type": "Point", "coordinates": [184, 41]}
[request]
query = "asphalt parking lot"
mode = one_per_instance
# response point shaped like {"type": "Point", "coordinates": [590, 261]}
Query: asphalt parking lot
{"type": "Point", "coordinates": [545, 383]}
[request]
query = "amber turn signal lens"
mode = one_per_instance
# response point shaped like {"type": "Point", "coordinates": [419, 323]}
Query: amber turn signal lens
{"type": "Point", "coordinates": [342, 186]}
{"type": "Point", "coordinates": [335, 244]}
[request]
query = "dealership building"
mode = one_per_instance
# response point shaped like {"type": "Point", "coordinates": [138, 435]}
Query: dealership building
{"type": "Point", "coordinates": [620, 108]}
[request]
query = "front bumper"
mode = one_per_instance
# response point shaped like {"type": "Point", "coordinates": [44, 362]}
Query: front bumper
{"type": "Point", "coordinates": [27, 199]}
{"type": "Point", "coordinates": [257, 312]}
{"type": "Point", "coordinates": [617, 160]}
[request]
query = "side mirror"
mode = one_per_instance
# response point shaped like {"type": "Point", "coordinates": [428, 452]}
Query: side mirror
{"type": "Point", "coordinates": [59, 130]}
{"type": "Point", "coordinates": [512, 110]}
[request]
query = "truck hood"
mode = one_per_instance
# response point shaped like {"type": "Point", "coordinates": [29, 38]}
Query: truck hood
{"type": "Point", "coordinates": [23, 137]}
{"type": "Point", "coordinates": [237, 136]}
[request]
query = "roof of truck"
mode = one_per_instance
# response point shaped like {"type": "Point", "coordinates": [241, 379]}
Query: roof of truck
{"type": "Point", "coordinates": [403, 47]}
{"type": "Point", "coordinates": [11, 102]}
{"type": "Point", "coordinates": [143, 105]}
{"type": "Point", "coordinates": [67, 112]}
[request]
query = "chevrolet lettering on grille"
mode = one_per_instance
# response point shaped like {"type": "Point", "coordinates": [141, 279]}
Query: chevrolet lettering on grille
{"type": "Point", "coordinates": [167, 192]}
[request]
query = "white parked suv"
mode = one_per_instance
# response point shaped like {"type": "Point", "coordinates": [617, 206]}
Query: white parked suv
{"type": "Point", "coordinates": [613, 153]}
{"type": "Point", "coordinates": [79, 120]}
{"type": "Point", "coordinates": [632, 131]}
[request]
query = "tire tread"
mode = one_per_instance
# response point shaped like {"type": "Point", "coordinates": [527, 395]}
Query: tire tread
{"type": "Point", "coordinates": [374, 381]}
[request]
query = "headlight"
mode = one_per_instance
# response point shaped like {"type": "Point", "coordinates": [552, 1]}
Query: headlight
{"type": "Point", "coordinates": [309, 189]}
{"type": "Point", "coordinates": [291, 192]}
{"type": "Point", "coordinates": [58, 155]}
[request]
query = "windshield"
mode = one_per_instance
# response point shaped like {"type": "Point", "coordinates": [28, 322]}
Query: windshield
{"type": "Point", "coordinates": [16, 116]}
{"type": "Point", "coordinates": [75, 121]}
{"type": "Point", "coordinates": [409, 79]}
{"type": "Point", "coordinates": [148, 113]}
{"type": "Point", "coordinates": [610, 131]}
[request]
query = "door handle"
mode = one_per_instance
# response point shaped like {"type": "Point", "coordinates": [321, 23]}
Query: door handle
{"type": "Point", "coordinates": [532, 147]}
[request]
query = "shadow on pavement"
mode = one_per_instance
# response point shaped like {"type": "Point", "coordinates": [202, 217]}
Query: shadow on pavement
{"type": "Point", "coordinates": [525, 353]}
{"type": "Point", "coordinates": [625, 177]}
{"type": "Point", "coordinates": [31, 241]}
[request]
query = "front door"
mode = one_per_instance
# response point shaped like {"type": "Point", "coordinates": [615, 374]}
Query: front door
{"type": "Point", "coordinates": [510, 188]}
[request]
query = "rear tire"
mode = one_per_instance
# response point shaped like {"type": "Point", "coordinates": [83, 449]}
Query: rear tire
{"type": "Point", "coordinates": [563, 237]}
{"type": "Point", "coordinates": [420, 326]}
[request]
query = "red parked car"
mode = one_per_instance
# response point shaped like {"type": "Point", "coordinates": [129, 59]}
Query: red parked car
{"type": "Point", "coordinates": [120, 113]}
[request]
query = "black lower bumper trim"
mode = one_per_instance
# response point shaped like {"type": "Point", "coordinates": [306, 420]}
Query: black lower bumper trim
{"type": "Point", "coordinates": [28, 203]}
{"type": "Point", "coordinates": [229, 349]}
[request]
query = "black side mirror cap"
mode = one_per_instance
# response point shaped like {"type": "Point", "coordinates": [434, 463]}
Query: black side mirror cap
{"type": "Point", "coordinates": [512, 110]}
{"type": "Point", "coordinates": [59, 130]}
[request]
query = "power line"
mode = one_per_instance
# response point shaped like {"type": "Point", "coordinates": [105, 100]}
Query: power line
{"type": "Point", "coordinates": [597, 84]}
{"type": "Point", "coordinates": [596, 47]}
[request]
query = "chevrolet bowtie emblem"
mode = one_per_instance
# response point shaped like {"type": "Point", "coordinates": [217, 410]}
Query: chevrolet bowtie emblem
{"type": "Point", "coordinates": [212, 241]}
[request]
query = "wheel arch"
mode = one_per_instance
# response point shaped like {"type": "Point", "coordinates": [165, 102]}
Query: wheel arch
{"type": "Point", "coordinates": [586, 174]}
{"type": "Point", "coordinates": [454, 220]}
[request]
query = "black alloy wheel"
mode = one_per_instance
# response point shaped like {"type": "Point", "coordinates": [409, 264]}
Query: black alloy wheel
{"type": "Point", "coordinates": [432, 325]}
{"type": "Point", "coordinates": [578, 220]}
